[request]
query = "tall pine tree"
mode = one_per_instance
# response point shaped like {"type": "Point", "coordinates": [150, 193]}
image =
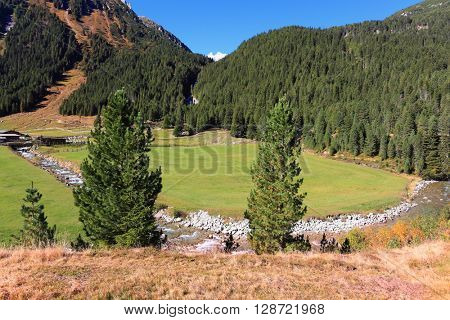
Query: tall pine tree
{"type": "Point", "coordinates": [35, 232]}
{"type": "Point", "coordinates": [117, 199]}
{"type": "Point", "coordinates": [275, 203]}
{"type": "Point", "coordinates": [432, 160]}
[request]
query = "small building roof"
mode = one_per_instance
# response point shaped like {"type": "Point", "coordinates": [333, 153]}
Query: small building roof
{"type": "Point", "coordinates": [9, 135]}
{"type": "Point", "coordinates": [3, 132]}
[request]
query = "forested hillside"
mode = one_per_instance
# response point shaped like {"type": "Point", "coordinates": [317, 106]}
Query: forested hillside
{"type": "Point", "coordinates": [157, 70]}
{"type": "Point", "coordinates": [158, 78]}
{"type": "Point", "coordinates": [105, 39]}
{"type": "Point", "coordinates": [374, 88]}
{"type": "Point", "coordinates": [39, 48]}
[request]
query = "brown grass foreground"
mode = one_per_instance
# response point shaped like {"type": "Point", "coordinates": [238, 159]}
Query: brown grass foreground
{"type": "Point", "coordinates": [420, 272]}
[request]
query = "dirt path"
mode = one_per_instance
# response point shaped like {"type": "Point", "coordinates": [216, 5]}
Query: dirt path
{"type": "Point", "coordinates": [46, 116]}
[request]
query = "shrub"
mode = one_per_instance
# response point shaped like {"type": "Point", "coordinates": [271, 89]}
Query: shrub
{"type": "Point", "coordinates": [445, 214]}
{"type": "Point", "coordinates": [428, 226]}
{"type": "Point", "coordinates": [177, 213]}
{"type": "Point", "coordinates": [345, 247]}
{"type": "Point", "coordinates": [79, 244]}
{"type": "Point", "coordinates": [328, 245]}
{"type": "Point", "coordinates": [296, 243]}
{"type": "Point", "coordinates": [394, 243]}
{"type": "Point", "coordinates": [444, 223]}
{"type": "Point", "coordinates": [357, 239]}
{"type": "Point", "coordinates": [230, 244]}
{"type": "Point", "coordinates": [159, 238]}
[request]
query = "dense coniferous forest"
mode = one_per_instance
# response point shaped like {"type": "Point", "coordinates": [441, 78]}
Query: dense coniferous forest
{"type": "Point", "coordinates": [374, 88]}
{"type": "Point", "coordinates": [377, 88]}
{"type": "Point", "coordinates": [159, 79]}
{"type": "Point", "coordinates": [39, 48]}
{"type": "Point", "coordinates": [154, 68]}
{"type": "Point", "coordinates": [157, 71]}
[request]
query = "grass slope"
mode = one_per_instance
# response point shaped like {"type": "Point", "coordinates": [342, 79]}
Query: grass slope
{"type": "Point", "coordinates": [211, 172]}
{"type": "Point", "coordinates": [16, 175]}
{"type": "Point", "coordinates": [420, 272]}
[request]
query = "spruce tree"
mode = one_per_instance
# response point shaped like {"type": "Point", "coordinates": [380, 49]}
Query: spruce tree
{"type": "Point", "coordinates": [166, 122]}
{"type": "Point", "coordinates": [275, 204]}
{"type": "Point", "coordinates": [383, 153]}
{"type": "Point", "coordinates": [432, 160]}
{"type": "Point", "coordinates": [117, 198]}
{"type": "Point", "coordinates": [444, 145]}
{"type": "Point", "coordinates": [391, 148]}
{"type": "Point", "coordinates": [238, 124]}
{"type": "Point", "coordinates": [408, 154]}
{"type": "Point", "coordinates": [354, 139]}
{"type": "Point", "coordinates": [179, 123]}
{"type": "Point", "coordinates": [371, 147]}
{"type": "Point", "coordinates": [35, 232]}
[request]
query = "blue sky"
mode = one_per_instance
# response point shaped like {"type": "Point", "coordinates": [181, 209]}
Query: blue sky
{"type": "Point", "coordinates": [211, 26]}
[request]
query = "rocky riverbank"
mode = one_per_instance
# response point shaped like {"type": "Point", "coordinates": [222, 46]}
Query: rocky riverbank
{"type": "Point", "coordinates": [333, 224]}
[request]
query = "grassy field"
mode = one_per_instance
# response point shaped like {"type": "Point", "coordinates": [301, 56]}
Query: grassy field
{"type": "Point", "coordinates": [16, 175]}
{"type": "Point", "coordinates": [211, 172]}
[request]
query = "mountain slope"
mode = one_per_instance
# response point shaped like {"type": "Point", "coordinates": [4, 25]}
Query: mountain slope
{"type": "Point", "coordinates": [378, 88]}
{"type": "Point", "coordinates": [107, 39]}
{"type": "Point", "coordinates": [34, 57]}
{"type": "Point", "coordinates": [153, 25]}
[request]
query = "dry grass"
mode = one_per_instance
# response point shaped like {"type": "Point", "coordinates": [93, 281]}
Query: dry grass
{"type": "Point", "coordinates": [46, 116]}
{"type": "Point", "coordinates": [420, 272]}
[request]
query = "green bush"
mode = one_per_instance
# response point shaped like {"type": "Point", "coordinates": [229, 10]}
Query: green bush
{"type": "Point", "coordinates": [394, 243]}
{"type": "Point", "coordinates": [357, 239]}
{"type": "Point", "coordinates": [428, 225]}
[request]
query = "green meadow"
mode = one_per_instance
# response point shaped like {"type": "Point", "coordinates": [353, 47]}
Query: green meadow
{"type": "Point", "coordinates": [210, 173]}
{"type": "Point", "coordinates": [16, 175]}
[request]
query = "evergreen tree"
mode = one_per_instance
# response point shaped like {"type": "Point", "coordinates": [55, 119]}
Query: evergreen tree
{"type": "Point", "coordinates": [179, 123]}
{"type": "Point", "coordinates": [444, 143]}
{"type": "Point", "coordinates": [238, 124]}
{"type": "Point", "coordinates": [319, 130]}
{"type": "Point", "coordinates": [432, 160]}
{"type": "Point", "coordinates": [371, 147]}
{"type": "Point", "coordinates": [35, 232]}
{"type": "Point", "coordinates": [408, 154]}
{"type": "Point", "coordinates": [391, 148]}
{"type": "Point", "coordinates": [166, 122]}
{"type": "Point", "coordinates": [419, 160]}
{"type": "Point", "coordinates": [354, 141]}
{"type": "Point", "coordinates": [252, 130]}
{"type": "Point", "coordinates": [345, 248]}
{"type": "Point", "coordinates": [117, 198]}
{"type": "Point", "coordinates": [275, 203]}
{"type": "Point", "coordinates": [383, 147]}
